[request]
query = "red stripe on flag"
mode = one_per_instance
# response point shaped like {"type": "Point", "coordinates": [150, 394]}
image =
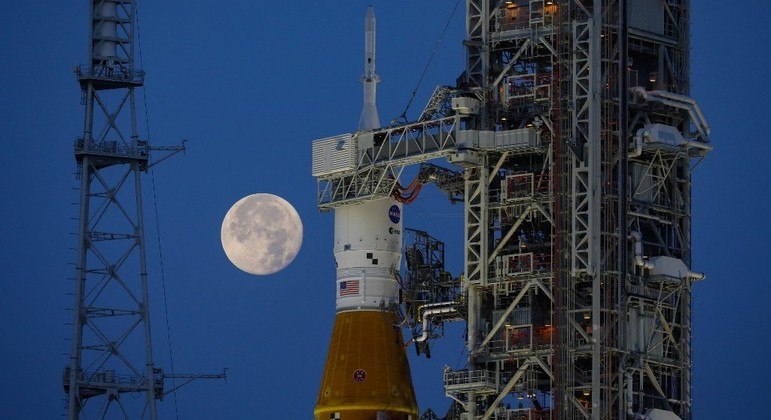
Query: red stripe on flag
{"type": "Point", "coordinates": [349, 288]}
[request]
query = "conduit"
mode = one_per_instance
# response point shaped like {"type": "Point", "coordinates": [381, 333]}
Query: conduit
{"type": "Point", "coordinates": [430, 313]}
{"type": "Point", "coordinates": [677, 101]}
{"type": "Point", "coordinates": [630, 398]}
{"type": "Point", "coordinates": [636, 237]}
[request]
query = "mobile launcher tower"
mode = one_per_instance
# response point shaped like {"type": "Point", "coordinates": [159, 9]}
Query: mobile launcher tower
{"type": "Point", "coordinates": [570, 139]}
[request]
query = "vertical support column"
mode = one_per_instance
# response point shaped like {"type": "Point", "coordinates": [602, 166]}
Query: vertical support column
{"type": "Point", "coordinates": [475, 255]}
{"type": "Point", "coordinates": [88, 125]}
{"type": "Point", "coordinates": [685, 299]}
{"type": "Point", "coordinates": [478, 50]}
{"type": "Point", "coordinates": [595, 193]}
{"type": "Point", "coordinates": [472, 294]}
{"type": "Point", "coordinates": [622, 197]}
{"type": "Point", "coordinates": [476, 221]}
{"type": "Point", "coordinates": [477, 28]}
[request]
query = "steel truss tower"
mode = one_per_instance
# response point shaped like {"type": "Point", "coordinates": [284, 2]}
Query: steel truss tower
{"type": "Point", "coordinates": [112, 341]}
{"type": "Point", "coordinates": [575, 135]}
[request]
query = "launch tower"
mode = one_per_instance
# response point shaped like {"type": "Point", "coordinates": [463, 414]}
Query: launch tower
{"type": "Point", "coordinates": [574, 135]}
{"type": "Point", "coordinates": [112, 341]}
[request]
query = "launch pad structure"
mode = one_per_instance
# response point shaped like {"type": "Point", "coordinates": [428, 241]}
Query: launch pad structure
{"type": "Point", "coordinates": [570, 139]}
{"type": "Point", "coordinates": [112, 342]}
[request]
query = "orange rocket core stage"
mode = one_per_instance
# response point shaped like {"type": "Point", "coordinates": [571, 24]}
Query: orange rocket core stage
{"type": "Point", "coordinates": [367, 375]}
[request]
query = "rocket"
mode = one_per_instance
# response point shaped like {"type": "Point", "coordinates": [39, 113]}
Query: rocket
{"type": "Point", "coordinates": [367, 375]}
{"type": "Point", "coordinates": [370, 79]}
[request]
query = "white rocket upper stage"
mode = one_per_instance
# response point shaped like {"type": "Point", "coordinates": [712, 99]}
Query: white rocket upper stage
{"type": "Point", "coordinates": [368, 236]}
{"type": "Point", "coordinates": [369, 119]}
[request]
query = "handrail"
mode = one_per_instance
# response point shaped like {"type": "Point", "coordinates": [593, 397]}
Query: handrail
{"type": "Point", "coordinates": [112, 148]}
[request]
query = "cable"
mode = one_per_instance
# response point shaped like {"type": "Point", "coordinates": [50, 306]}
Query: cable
{"type": "Point", "coordinates": [157, 219]}
{"type": "Point", "coordinates": [163, 286]}
{"type": "Point", "coordinates": [403, 117]}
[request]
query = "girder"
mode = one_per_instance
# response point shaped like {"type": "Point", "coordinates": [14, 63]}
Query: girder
{"type": "Point", "coordinates": [565, 309]}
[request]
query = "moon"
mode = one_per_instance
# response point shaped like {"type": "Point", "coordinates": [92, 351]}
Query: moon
{"type": "Point", "coordinates": [261, 234]}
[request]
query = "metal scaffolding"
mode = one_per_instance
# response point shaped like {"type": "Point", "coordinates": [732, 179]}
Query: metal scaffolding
{"type": "Point", "coordinates": [112, 341]}
{"type": "Point", "coordinates": [576, 137]}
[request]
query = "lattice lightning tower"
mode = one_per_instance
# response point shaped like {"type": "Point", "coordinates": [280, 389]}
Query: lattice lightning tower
{"type": "Point", "coordinates": [112, 341]}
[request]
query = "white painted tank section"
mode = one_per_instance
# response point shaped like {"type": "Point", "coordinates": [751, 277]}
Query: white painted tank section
{"type": "Point", "coordinates": [368, 241]}
{"type": "Point", "coordinates": [106, 30]}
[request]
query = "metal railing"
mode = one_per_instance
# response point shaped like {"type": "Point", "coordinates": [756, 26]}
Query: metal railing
{"type": "Point", "coordinates": [505, 413]}
{"type": "Point", "coordinates": [468, 380]}
{"type": "Point", "coordinates": [115, 73]}
{"type": "Point", "coordinates": [112, 148]}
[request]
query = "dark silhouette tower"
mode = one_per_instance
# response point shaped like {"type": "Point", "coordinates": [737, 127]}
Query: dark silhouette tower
{"type": "Point", "coordinates": [112, 341]}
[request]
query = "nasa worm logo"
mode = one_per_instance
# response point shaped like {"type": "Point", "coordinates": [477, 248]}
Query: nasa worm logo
{"type": "Point", "coordinates": [394, 213]}
{"type": "Point", "coordinates": [360, 375]}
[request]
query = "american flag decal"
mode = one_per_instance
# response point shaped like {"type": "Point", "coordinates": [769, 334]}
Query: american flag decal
{"type": "Point", "coordinates": [349, 288]}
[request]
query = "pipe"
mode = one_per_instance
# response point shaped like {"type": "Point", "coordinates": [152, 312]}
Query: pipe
{"type": "Point", "coordinates": [689, 100]}
{"type": "Point", "coordinates": [434, 305]}
{"type": "Point", "coordinates": [630, 398]}
{"type": "Point", "coordinates": [650, 216]}
{"type": "Point", "coordinates": [428, 313]}
{"type": "Point", "coordinates": [695, 276]}
{"type": "Point", "coordinates": [638, 251]}
{"type": "Point", "coordinates": [699, 145]}
{"type": "Point", "coordinates": [678, 101]}
{"type": "Point", "coordinates": [641, 346]}
{"type": "Point", "coordinates": [641, 135]}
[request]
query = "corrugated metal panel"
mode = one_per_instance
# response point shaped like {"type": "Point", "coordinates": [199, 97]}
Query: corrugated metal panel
{"type": "Point", "coordinates": [524, 137]}
{"type": "Point", "coordinates": [333, 154]}
{"type": "Point", "coordinates": [646, 15]}
{"type": "Point", "coordinates": [519, 316]}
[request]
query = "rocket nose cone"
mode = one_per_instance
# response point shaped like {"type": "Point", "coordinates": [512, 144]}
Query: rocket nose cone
{"type": "Point", "coordinates": [369, 20]}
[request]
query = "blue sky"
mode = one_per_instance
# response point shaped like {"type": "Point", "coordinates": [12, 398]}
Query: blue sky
{"type": "Point", "coordinates": [250, 85]}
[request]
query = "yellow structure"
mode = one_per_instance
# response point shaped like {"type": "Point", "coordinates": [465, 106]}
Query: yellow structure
{"type": "Point", "coordinates": [367, 375]}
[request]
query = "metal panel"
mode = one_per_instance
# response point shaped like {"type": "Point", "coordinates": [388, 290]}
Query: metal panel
{"type": "Point", "coordinates": [525, 137]}
{"type": "Point", "coordinates": [647, 15]}
{"type": "Point", "coordinates": [642, 335]}
{"type": "Point", "coordinates": [334, 154]}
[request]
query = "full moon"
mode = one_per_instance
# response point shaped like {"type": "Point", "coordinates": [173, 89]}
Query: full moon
{"type": "Point", "coordinates": [261, 234]}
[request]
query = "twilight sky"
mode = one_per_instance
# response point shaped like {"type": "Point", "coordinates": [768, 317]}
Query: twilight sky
{"type": "Point", "coordinates": [250, 84]}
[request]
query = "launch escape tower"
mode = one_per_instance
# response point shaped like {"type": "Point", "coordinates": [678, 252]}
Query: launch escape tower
{"type": "Point", "coordinates": [112, 342]}
{"type": "Point", "coordinates": [571, 137]}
